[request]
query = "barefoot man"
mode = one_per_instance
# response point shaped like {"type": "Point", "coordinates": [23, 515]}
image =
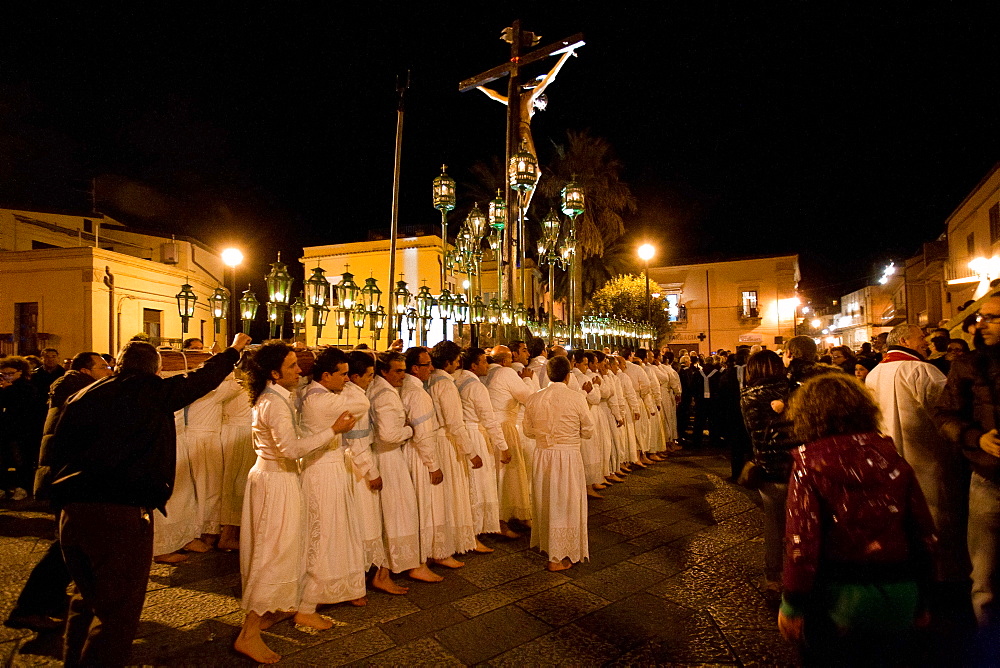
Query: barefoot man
{"type": "Point", "coordinates": [558, 419]}
{"type": "Point", "coordinates": [273, 541]}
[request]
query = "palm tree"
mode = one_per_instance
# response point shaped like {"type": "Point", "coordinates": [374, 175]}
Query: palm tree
{"type": "Point", "coordinates": [590, 161]}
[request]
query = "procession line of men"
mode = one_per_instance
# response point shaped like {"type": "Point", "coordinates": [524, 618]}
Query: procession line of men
{"type": "Point", "coordinates": [395, 463]}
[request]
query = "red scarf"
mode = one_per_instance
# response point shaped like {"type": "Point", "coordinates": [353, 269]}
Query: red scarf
{"type": "Point", "coordinates": [899, 356]}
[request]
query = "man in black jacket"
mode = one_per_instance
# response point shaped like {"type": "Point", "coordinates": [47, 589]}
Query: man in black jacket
{"type": "Point", "coordinates": [42, 603]}
{"type": "Point", "coordinates": [967, 414]}
{"type": "Point", "coordinates": [113, 456]}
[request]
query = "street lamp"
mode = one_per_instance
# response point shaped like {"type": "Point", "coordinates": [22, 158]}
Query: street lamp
{"type": "Point", "coordinates": [377, 319]}
{"type": "Point", "coordinates": [299, 310]}
{"type": "Point", "coordinates": [460, 309]}
{"type": "Point", "coordinates": [424, 301]}
{"type": "Point", "coordinates": [279, 284]}
{"type": "Point", "coordinates": [646, 253]}
{"type": "Point", "coordinates": [498, 221]}
{"type": "Point", "coordinates": [573, 202]}
{"type": "Point", "coordinates": [248, 309]}
{"type": "Point", "coordinates": [186, 300]}
{"type": "Point", "coordinates": [371, 297]}
{"type": "Point", "coordinates": [318, 298]}
{"type": "Point", "coordinates": [445, 302]}
{"type": "Point", "coordinates": [218, 304]}
{"type": "Point", "coordinates": [401, 299]}
{"type": "Point", "coordinates": [522, 173]}
{"type": "Point", "coordinates": [547, 253]}
{"type": "Point", "coordinates": [232, 257]}
{"type": "Point", "coordinates": [347, 295]}
{"type": "Point", "coordinates": [444, 201]}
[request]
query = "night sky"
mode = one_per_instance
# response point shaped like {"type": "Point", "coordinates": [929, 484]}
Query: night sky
{"type": "Point", "coordinates": [844, 133]}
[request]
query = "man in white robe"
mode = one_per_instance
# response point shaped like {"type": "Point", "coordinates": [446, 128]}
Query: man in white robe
{"type": "Point", "coordinates": [484, 431]}
{"type": "Point", "coordinates": [906, 388]}
{"type": "Point", "coordinates": [425, 469]}
{"type": "Point", "coordinates": [508, 393]}
{"type": "Point", "coordinates": [400, 517]}
{"type": "Point", "coordinates": [272, 550]}
{"type": "Point", "coordinates": [558, 418]}
{"type": "Point", "coordinates": [455, 452]}
{"type": "Point", "coordinates": [335, 565]}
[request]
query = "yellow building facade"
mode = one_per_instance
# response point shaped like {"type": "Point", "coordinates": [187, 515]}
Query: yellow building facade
{"type": "Point", "coordinates": [973, 244]}
{"type": "Point", "coordinates": [80, 283]}
{"type": "Point", "coordinates": [725, 304]}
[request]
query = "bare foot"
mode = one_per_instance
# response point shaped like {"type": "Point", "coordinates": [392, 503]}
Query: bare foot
{"type": "Point", "coordinates": [170, 558]}
{"type": "Point", "coordinates": [230, 538]}
{"type": "Point", "coordinates": [482, 549]}
{"type": "Point", "coordinates": [209, 539]}
{"type": "Point", "coordinates": [526, 523]}
{"type": "Point", "coordinates": [197, 546]}
{"type": "Point", "coordinates": [638, 465]}
{"type": "Point", "coordinates": [623, 472]}
{"type": "Point", "coordinates": [563, 565]}
{"type": "Point", "coordinates": [448, 562]}
{"type": "Point", "coordinates": [269, 619]}
{"type": "Point", "coordinates": [313, 620]}
{"type": "Point", "coordinates": [254, 647]}
{"type": "Point", "coordinates": [360, 602]}
{"type": "Point", "coordinates": [424, 574]}
{"type": "Point", "coordinates": [592, 494]}
{"type": "Point", "coordinates": [614, 478]}
{"type": "Point", "coordinates": [384, 582]}
{"type": "Point", "coordinates": [507, 532]}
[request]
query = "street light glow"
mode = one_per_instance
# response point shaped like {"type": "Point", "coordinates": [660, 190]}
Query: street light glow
{"type": "Point", "coordinates": [646, 252]}
{"type": "Point", "coordinates": [232, 256]}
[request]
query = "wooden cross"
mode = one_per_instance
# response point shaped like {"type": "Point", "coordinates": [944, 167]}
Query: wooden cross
{"type": "Point", "coordinates": [518, 40]}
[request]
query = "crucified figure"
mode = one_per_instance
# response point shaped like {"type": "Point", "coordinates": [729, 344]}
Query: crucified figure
{"type": "Point", "coordinates": [532, 100]}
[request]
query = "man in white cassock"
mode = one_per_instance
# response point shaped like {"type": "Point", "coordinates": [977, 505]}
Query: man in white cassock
{"type": "Point", "coordinates": [335, 564]}
{"type": "Point", "coordinates": [273, 530]}
{"type": "Point", "coordinates": [558, 418]}
{"type": "Point", "coordinates": [425, 469]}
{"type": "Point", "coordinates": [484, 432]}
{"type": "Point", "coordinates": [400, 517]}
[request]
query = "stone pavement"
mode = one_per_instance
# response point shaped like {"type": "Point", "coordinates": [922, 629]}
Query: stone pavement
{"type": "Point", "coordinates": [673, 579]}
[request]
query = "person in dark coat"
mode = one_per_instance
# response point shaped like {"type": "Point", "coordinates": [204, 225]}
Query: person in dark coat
{"type": "Point", "coordinates": [42, 603]}
{"type": "Point", "coordinates": [20, 428]}
{"type": "Point", "coordinates": [113, 457]}
{"type": "Point", "coordinates": [763, 401]}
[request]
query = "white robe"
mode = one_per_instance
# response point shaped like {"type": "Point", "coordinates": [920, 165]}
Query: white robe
{"type": "Point", "coordinates": [238, 456]}
{"type": "Point", "coordinates": [422, 459]}
{"type": "Point", "coordinates": [335, 563]}
{"type": "Point", "coordinates": [558, 418]}
{"type": "Point", "coordinates": [273, 532]}
{"type": "Point", "coordinates": [181, 524]}
{"type": "Point", "coordinates": [508, 393]}
{"type": "Point", "coordinates": [400, 517]}
{"type": "Point", "coordinates": [204, 439]}
{"type": "Point", "coordinates": [487, 441]}
{"type": "Point", "coordinates": [364, 468]}
{"type": "Point", "coordinates": [454, 452]}
{"type": "Point", "coordinates": [906, 391]}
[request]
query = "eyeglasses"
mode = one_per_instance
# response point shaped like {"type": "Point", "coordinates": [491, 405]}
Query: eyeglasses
{"type": "Point", "coordinates": [988, 318]}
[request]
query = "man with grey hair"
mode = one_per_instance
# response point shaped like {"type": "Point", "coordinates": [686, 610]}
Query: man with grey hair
{"type": "Point", "coordinates": [112, 454]}
{"type": "Point", "coordinates": [907, 388]}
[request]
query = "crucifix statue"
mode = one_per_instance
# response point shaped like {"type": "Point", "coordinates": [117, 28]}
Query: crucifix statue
{"type": "Point", "coordinates": [520, 108]}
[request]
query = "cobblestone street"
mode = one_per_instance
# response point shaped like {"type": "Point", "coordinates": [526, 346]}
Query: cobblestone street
{"type": "Point", "coordinates": [673, 578]}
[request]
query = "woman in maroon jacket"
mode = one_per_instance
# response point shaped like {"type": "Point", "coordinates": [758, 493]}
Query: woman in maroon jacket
{"type": "Point", "coordinates": [858, 538]}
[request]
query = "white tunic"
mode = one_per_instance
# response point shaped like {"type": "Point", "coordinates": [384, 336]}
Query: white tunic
{"type": "Point", "coordinates": [181, 524]}
{"type": "Point", "coordinates": [558, 418]}
{"type": "Point", "coordinates": [906, 390]}
{"type": "Point", "coordinates": [238, 456]}
{"type": "Point", "coordinates": [454, 454]}
{"type": "Point", "coordinates": [422, 459]}
{"type": "Point", "coordinates": [272, 538]}
{"type": "Point", "coordinates": [484, 431]}
{"type": "Point", "coordinates": [508, 393]}
{"type": "Point", "coordinates": [204, 437]}
{"type": "Point", "coordinates": [657, 442]}
{"type": "Point", "coordinates": [364, 468]}
{"type": "Point", "coordinates": [335, 564]}
{"type": "Point", "coordinates": [400, 518]}
{"type": "Point", "coordinates": [633, 407]}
